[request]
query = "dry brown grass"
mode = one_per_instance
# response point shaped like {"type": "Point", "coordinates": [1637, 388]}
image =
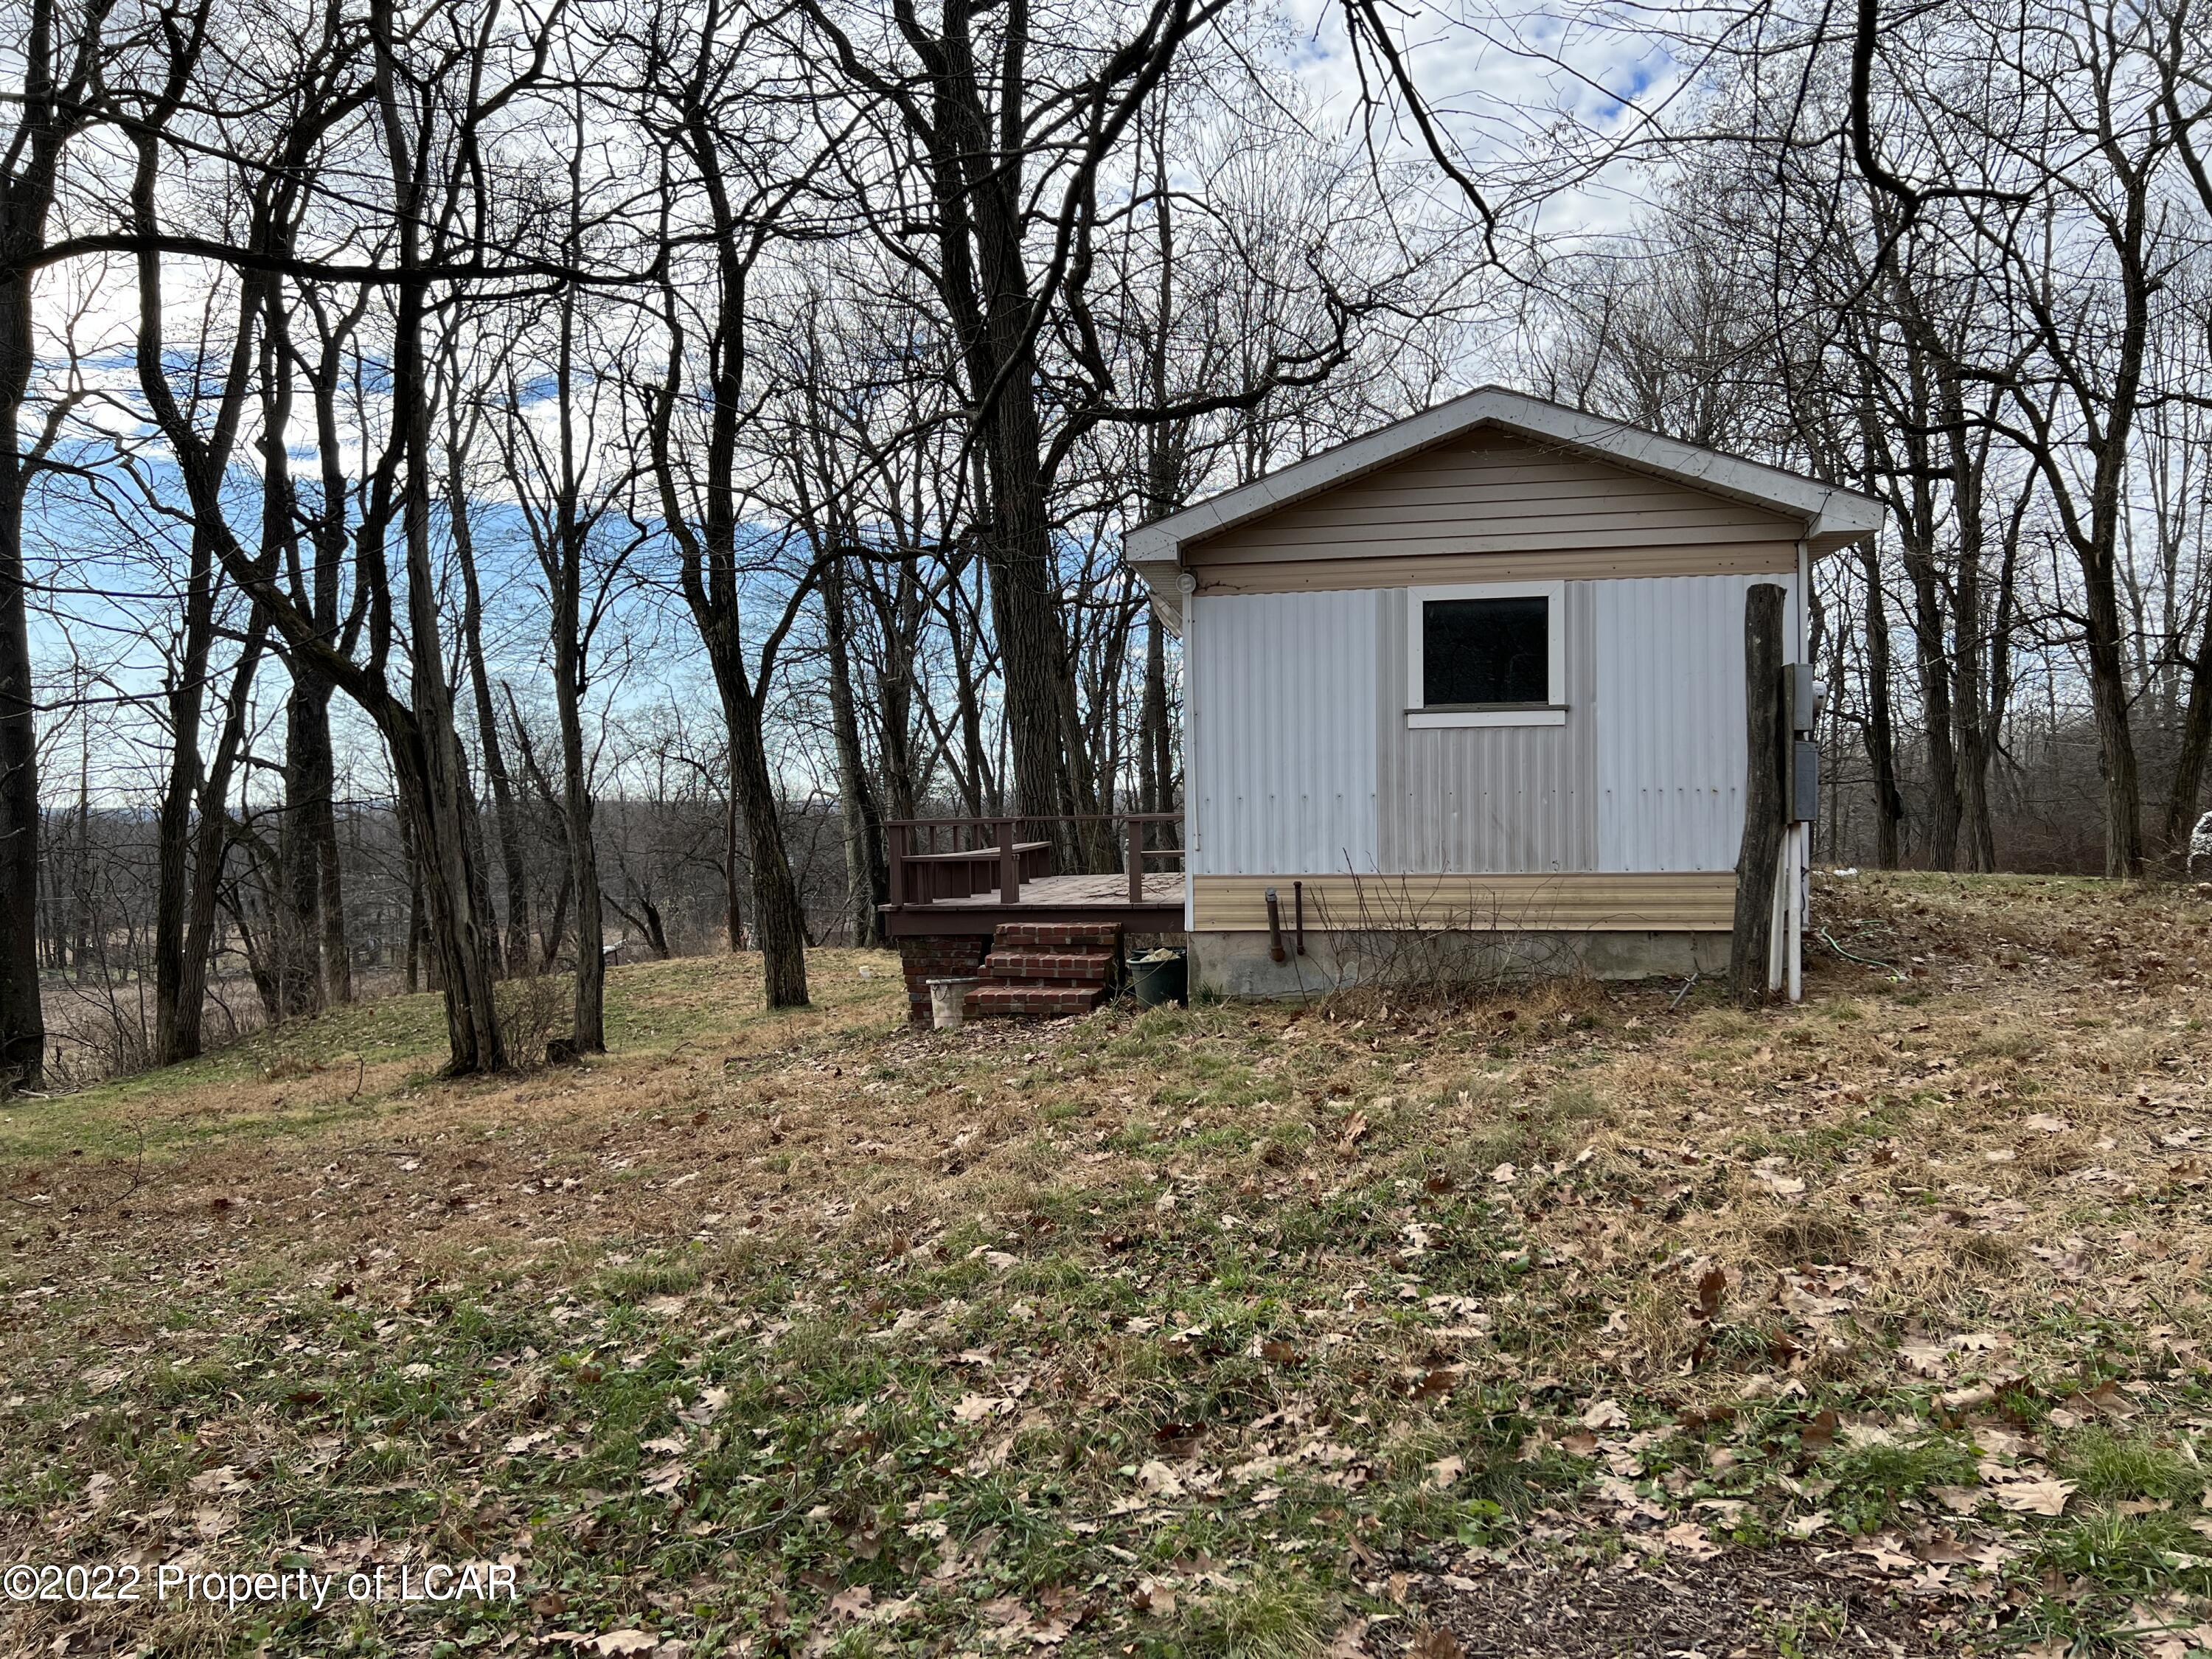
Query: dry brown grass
{"type": "Point", "coordinates": [2010, 1144]}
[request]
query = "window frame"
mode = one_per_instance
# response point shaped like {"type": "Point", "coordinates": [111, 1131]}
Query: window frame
{"type": "Point", "coordinates": [1420, 716]}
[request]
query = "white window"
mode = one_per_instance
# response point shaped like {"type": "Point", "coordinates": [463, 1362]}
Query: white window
{"type": "Point", "coordinates": [1488, 654]}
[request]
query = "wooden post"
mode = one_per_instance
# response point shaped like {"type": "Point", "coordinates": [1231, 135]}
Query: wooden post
{"type": "Point", "coordinates": [902, 841]}
{"type": "Point", "coordinates": [1765, 794]}
{"type": "Point", "coordinates": [1009, 864]}
{"type": "Point", "coordinates": [1136, 860]}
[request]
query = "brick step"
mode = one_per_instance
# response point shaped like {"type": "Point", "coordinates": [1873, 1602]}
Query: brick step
{"type": "Point", "coordinates": [1011, 1000]}
{"type": "Point", "coordinates": [1058, 935]}
{"type": "Point", "coordinates": [1085, 967]}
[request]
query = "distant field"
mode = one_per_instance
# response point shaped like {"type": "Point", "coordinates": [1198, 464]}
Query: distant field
{"type": "Point", "coordinates": [1575, 1321]}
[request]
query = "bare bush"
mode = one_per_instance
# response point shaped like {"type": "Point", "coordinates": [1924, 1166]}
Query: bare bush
{"type": "Point", "coordinates": [1403, 947]}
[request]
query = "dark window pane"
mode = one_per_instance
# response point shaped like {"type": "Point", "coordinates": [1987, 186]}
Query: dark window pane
{"type": "Point", "coordinates": [1486, 651]}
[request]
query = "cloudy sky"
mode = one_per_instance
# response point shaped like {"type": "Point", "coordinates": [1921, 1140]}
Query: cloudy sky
{"type": "Point", "coordinates": [1532, 96]}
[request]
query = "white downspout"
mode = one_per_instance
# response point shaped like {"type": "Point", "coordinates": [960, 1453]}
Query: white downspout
{"type": "Point", "coordinates": [1801, 835]}
{"type": "Point", "coordinates": [1187, 585]}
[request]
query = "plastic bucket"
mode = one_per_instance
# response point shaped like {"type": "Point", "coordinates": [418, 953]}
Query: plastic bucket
{"type": "Point", "coordinates": [948, 1002]}
{"type": "Point", "coordinates": [1162, 978]}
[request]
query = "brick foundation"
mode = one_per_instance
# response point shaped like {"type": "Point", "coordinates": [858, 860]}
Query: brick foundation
{"type": "Point", "coordinates": [947, 957]}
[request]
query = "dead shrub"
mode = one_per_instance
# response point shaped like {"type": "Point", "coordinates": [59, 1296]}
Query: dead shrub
{"type": "Point", "coordinates": [532, 1009]}
{"type": "Point", "coordinates": [1398, 952]}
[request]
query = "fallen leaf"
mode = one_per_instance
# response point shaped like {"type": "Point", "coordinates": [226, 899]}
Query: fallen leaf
{"type": "Point", "coordinates": [1942, 1550]}
{"type": "Point", "coordinates": [1157, 1478]}
{"type": "Point", "coordinates": [625, 1641]}
{"type": "Point", "coordinates": [1688, 1538]}
{"type": "Point", "coordinates": [1712, 1288]}
{"type": "Point", "coordinates": [2033, 1496]}
{"type": "Point", "coordinates": [1605, 1414]}
{"type": "Point", "coordinates": [1819, 1434]}
{"type": "Point", "coordinates": [1928, 1359]}
{"type": "Point", "coordinates": [1882, 1550]}
{"type": "Point", "coordinates": [1446, 1470]}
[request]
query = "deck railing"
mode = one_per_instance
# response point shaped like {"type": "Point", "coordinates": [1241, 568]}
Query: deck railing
{"type": "Point", "coordinates": [934, 859]}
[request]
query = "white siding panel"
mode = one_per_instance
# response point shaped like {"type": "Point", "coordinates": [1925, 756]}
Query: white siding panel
{"type": "Point", "coordinates": [1283, 692]}
{"type": "Point", "coordinates": [1490, 800]}
{"type": "Point", "coordinates": [1670, 735]}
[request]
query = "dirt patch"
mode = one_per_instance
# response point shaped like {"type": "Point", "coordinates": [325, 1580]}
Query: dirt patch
{"type": "Point", "coordinates": [1740, 1603]}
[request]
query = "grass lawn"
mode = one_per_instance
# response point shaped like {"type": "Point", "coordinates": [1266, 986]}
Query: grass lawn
{"type": "Point", "coordinates": [1573, 1320]}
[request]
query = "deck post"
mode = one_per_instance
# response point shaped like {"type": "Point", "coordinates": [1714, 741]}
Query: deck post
{"type": "Point", "coordinates": [1759, 864]}
{"type": "Point", "coordinates": [902, 843]}
{"type": "Point", "coordinates": [1136, 860]}
{"type": "Point", "coordinates": [1010, 865]}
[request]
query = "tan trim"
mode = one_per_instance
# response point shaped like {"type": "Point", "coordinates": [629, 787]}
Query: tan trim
{"type": "Point", "coordinates": [1383, 541]}
{"type": "Point", "coordinates": [1422, 569]}
{"type": "Point", "coordinates": [1580, 902]}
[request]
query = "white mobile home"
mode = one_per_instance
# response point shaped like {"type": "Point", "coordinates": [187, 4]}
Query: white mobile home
{"type": "Point", "coordinates": [1480, 670]}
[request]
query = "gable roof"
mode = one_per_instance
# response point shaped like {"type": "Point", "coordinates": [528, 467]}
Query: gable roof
{"type": "Point", "coordinates": [1832, 517]}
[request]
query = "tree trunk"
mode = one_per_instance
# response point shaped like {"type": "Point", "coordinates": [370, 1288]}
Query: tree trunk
{"type": "Point", "coordinates": [425, 747]}
{"type": "Point", "coordinates": [212, 839]}
{"type": "Point", "coordinates": [1930, 650]}
{"type": "Point", "coordinates": [300, 978]}
{"type": "Point", "coordinates": [22, 1020]}
{"type": "Point", "coordinates": [2115, 748]}
{"type": "Point", "coordinates": [1155, 741]}
{"type": "Point", "coordinates": [507, 821]}
{"type": "Point", "coordinates": [179, 985]}
{"type": "Point", "coordinates": [1765, 797]}
{"type": "Point", "coordinates": [2189, 764]}
{"type": "Point", "coordinates": [337, 959]}
{"type": "Point", "coordinates": [589, 1034]}
{"type": "Point", "coordinates": [732, 857]}
{"type": "Point", "coordinates": [55, 76]}
{"type": "Point", "coordinates": [867, 872]}
{"type": "Point", "coordinates": [1881, 738]}
{"type": "Point", "coordinates": [414, 863]}
{"type": "Point", "coordinates": [779, 919]}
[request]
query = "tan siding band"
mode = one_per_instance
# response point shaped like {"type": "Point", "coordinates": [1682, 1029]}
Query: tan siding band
{"type": "Point", "coordinates": [1412, 569]}
{"type": "Point", "coordinates": [1580, 902]}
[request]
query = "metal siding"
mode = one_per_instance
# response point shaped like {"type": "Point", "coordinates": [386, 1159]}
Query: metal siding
{"type": "Point", "coordinates": [1488, 801]}
{"type": "Point", "coordinates": [1283, 688]}
{"type": "Point", "coordinates": [1669, 726]}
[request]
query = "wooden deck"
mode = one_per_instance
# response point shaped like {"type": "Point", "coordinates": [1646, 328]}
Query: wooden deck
{"type": "Point", "coordinates": [1050, 898]}
{"type": "Point", "coordinates": [962, 879]}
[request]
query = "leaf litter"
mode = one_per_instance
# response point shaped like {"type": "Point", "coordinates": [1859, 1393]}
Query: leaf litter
{"type": "Point", "coordinates": [1340, 1330]}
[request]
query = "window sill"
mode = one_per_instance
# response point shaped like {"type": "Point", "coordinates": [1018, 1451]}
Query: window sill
{"type": "Point", "coordinates": [1433, 719]}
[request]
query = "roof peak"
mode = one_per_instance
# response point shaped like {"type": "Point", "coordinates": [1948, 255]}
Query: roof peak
{"type": "Point", "coordinates": [1833, 517]}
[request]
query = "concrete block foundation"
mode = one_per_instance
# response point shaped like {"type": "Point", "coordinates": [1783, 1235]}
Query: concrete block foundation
{"type": "Point", "coordinates": [1239, 964]}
